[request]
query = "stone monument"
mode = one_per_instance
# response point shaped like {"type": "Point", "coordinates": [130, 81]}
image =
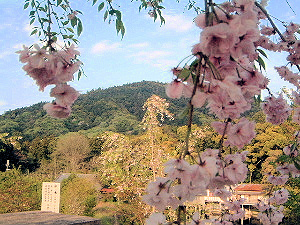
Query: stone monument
{"type": "Point", "coordinates": [51, 197]}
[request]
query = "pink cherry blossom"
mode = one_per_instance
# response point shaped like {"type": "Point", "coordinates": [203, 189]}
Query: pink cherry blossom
{"type": "Point", "coordinates": [236, 172]}
{"type": "Point", "coordinates": [217, 40]}
{"type": "Point", "coordinates": [241, 133]}
{"type": "Point", "coordinates": [65, 95]}
{"type": "Point", "coordinates": [279, 197]}
{"type": "Point", "coordinates": [57, 111]}
{"type": "Point", "coordinates": [288, 75]}
{"type": "Point", "coordinates": [223, 194]}
{"type": "Point", "coordinates": [276, 109]}
{"type": "Point", "coordinates": [159, 194]}
{"type": "Point", "coordinates": [156, 219]}
{"type": "Point", "coordinates": [289, 169]}
{"type": "Point", "coordinates": [178, 169]}
{"type": "Point", "coordinates": [278, 180]}
{"type": "Point", "coordinates": [267, 31]}
{"type": "Point", "coordinates": [262, 206]}
{"type": "Point", "coordinates": [175, 89]}
{"type": "Point", "coordinates": [290, 150]}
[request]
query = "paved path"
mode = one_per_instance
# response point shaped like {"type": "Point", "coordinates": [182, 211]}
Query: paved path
{"type": "Point", "coordinates": [45, 218]}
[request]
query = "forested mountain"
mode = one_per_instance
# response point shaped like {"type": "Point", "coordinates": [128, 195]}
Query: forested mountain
{"type": "Point", "coordinates": [117, 109]}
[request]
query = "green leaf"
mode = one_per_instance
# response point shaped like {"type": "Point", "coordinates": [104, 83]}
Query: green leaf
{"type": "Point", "coordinates": [94, 2]}
{"type": "Point", "coordinates": [26, 5]}
{"type": "Point", "coordinates": [123, 31]}
{"type": "Point", "coordinates": [79, 74]}
{"type": "Point", "coordinates": [34, 32]}
{"type": "Point", "coordinates": [75, 40]}
{"type": "Point", "coordinates": [101, 6]}
{"type": "Point", "coordinates": [184, 74]}
{"type": "Point", "coordinates": [59, 2]}
{"type": "Point", "coordinates": [65, 22]}
{"type": "Point", "coordinates": [262, 52]}
{"type": "Point", "coordinates": [70, 29]}
{"type": "Point", "coordinates": [261, 62]}
{"type": "Point", "coordinates": [184, 113]}
{"type": "Point", "coordinates": [297, 165]}
{"type": "Point", "coordinates": [154, 15]}
{"type": "Point", "coordinates": [45, 20]}
{"type": "Point", "coordinates": [32, 20]}
{"type": "Point", "coordinates": [118, 14]}
{"type": "Point", "coordinates": [74, 21]}
{"type": "Point", "coordinates": [105, 15]}
{"type": "Point", "coordinates": [120, 27]}
{"type": "Point", "coordinates": [79, 28]}
{"type": "Point", "coordinates": [54, 39]}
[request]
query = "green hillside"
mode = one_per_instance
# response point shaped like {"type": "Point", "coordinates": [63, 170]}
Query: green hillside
{"type": "Point", "coordinates": [116, 109]}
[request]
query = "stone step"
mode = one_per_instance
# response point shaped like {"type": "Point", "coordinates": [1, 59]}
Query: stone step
{"type": "Point", "coordinates": [45, 218]}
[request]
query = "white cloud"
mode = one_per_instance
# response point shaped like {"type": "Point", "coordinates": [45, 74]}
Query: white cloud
{"type": "Point", "coordinates": [4, 54]}
{"type": "Point", "coordinates": [149, 55]}
{"type": "Point", "coordinates": [139, 45]}
{"type": "Point", "coordinates": [18, 46]}
{"type": "Point", "coordinates": [156, 58]}
{"type": "Point", "coordinates": [2, 103]}
{"type": "Point", "coordinates": [28, 28]}
{"type": "Point", "coordinates": [177, 23]}
{"type": "Point", "coordinates": [105, 46]}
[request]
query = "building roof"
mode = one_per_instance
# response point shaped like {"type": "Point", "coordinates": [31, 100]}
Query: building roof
{"type": "Point", "coordinates": [107, 190]}
{"type": "Point", "coordinates": [250, 187]}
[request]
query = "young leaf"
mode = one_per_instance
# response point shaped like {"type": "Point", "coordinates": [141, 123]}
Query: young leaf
{"type": "Point", "coordinates": [65, 22]}
{"type": "Point", "coordinates": [59, 2]}
{"type": "Point", "coordinates": [79, 27]}
{"type": "Point", "coordinates": [26, 5]}
{"type": "Point", "coordinates": [105, 15]}
{"type": "Point", "coordinates": [74, 21]}
{"type": "Point", "coordinates": [184, 74]}
{"type": "Point", "coordinates": [118, 14]}
{"type": "Point", "coordinates": [262, 52]}
{"type": "Point", "coordinates": [79, 74]}
{"type": "Point", "coordinates": [70, 29]}
{"type": "Point", "coordinates": [34, 32]}
{"type": "Point", "coordinates": [94, 2]}
{"type": "Point", "coordinates": [261, 62]}
{"type": "Point", "coordinates": [183, 114]}
{"type": "Point", "coordinates": [101, 6]}
{"type": "Point", "coordinates": [297, 165]}
{"type": "Point", "coordinates": [31, 21]}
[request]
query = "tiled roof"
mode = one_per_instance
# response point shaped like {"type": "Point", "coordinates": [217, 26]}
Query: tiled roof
{"type": "Point", "coordinates": [107, 190]}
{"type": "Point", "coordinates": [249, 187]}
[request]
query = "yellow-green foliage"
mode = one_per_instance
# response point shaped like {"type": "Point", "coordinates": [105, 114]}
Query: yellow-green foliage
{"type": "Point", "coordinates": [19, 192]}
{"type": "Point", "coordinates": [78, 196]}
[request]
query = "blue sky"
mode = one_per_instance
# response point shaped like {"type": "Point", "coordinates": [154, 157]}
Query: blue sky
{"type": "Point", "coordinates": [147, 52]}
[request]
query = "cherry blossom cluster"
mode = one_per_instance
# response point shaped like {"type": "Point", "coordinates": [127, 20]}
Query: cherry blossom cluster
{"type": "Point", "coordinates": [184, 182]}
{"type": "Point", "coordinates": [50, 67]}
{"type": "Point", "coordinates": [224, 78]}
{"type": "Point", "coordinates": [276, 109]}
{"type": "Point", "coordinates": [270, 211]}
